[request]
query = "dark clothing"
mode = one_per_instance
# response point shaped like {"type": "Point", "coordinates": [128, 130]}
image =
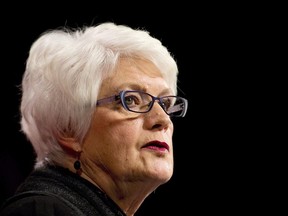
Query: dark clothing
{"type": "Point", "coordinates": [53, 191]}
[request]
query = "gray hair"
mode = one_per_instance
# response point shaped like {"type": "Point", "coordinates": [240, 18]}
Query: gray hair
{"type": "Point", "coordinates": [64, 72]}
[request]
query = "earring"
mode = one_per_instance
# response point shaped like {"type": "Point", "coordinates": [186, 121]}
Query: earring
{"type": "Point", "coordinates": [77, 163]}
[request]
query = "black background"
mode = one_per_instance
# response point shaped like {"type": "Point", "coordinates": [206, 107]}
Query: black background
{"type": "Point", "coordinates": [213, 155]}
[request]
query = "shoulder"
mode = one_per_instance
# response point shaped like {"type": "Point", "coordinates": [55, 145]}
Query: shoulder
{"type": "Point", "coordinates": [36, 204]}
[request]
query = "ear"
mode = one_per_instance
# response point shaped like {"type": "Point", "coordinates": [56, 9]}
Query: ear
{"type": "Point", "coordinates": [69, 143]}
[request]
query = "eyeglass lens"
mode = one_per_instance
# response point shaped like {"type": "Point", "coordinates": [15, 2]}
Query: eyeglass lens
{"type": "Point", "coordinates": [136, 101]}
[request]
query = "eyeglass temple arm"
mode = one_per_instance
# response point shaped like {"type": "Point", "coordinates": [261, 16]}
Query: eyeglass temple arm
{"type": "Point", "coordinates": [179, 107]}
{"type": "Point", "coordinates": [107, 100]}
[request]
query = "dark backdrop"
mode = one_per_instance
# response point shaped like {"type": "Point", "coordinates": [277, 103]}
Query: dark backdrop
{"type": "Point", "coordinates": [207, 42]}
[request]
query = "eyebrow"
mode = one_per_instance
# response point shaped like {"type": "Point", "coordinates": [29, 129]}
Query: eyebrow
{"type": "Point", "coordinates": [130, 86]}
{"type": "Point", "coordinates": [137, 87]}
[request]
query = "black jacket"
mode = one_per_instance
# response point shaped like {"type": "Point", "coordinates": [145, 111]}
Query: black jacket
{"type": "Point", "coordinates": [53, 191]}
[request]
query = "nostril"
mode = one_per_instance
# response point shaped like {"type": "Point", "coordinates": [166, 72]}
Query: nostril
{"type": "Point", "coordinates": [157, 126]}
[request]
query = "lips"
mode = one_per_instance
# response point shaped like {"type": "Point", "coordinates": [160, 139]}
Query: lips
{"type": "Point", "coordinates": [157, 145]}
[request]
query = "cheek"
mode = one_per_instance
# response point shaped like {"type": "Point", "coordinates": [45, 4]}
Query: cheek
{"type": "Point", "coordinates": [111, 143]}
{"type": "Point", "coordinates": [125, 133]}
{"type": "Point", "coordinates": [114, 132]}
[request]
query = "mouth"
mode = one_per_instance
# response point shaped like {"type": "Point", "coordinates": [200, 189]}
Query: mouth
{"type": "Point", "coordinates": [157, 145]}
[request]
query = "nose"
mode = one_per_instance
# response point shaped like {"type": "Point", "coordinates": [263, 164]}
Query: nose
{"type": "Point", "coordinates": [158, 118]}
{"type": "Point", "coordinates": [162, 105]}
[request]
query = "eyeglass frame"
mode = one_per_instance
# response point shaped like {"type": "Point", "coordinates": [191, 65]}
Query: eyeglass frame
{"type": "Point", "coordinates": [121, 97]}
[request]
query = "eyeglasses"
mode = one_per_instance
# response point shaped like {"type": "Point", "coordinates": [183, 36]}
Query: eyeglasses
{"type": "Point", "coordinates": [142, 102]}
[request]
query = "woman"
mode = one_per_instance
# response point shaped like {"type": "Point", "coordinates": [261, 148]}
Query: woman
{"type": "Point", "coordinates": [97, 105]}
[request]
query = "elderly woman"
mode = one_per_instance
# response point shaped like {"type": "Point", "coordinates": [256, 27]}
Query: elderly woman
{"type": "Point", "coordinates": [97, 105]}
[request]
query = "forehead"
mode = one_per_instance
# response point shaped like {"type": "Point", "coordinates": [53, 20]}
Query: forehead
{"type": "Point", "coordinates": [137, 66]}
{"type": "Point", "coordinates": [134, 71]}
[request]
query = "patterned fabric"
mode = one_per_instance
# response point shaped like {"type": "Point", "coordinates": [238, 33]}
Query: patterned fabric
{"type": "Point", "coordinates": [53, 191]}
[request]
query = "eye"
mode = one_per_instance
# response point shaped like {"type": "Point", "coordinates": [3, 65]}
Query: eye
{"type": "Point", "coordinates": [167, 102]}
{"type": "Point", "coordinates": [132, 100]}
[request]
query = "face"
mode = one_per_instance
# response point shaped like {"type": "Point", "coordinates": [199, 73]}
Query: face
{"type": "Point", "coordinates": [131, 146]}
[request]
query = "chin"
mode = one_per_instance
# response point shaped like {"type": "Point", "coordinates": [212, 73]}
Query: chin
{"type": "Point", "coordinates": [163, 176]}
